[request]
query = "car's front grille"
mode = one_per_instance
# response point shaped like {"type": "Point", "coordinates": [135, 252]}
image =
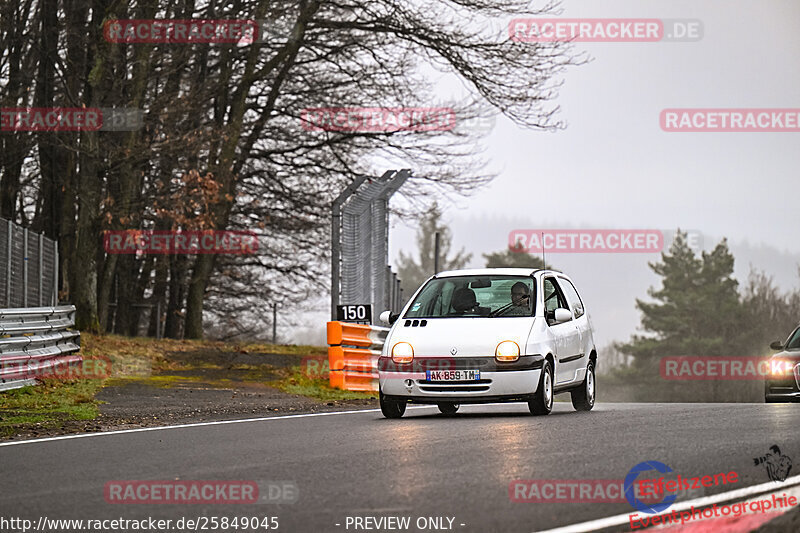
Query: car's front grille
{"type": "Point", "coordinates": [450, 388]}
{"type": "Point", "coordinates": [781, 390]}
{"type": "Point", "coordinates": [478, 385]}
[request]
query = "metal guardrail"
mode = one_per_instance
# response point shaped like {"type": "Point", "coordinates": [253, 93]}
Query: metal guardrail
{"type": "Point", "coordinates": [353, 355]}
{"type": "Point", "coordinates": [34, 341]}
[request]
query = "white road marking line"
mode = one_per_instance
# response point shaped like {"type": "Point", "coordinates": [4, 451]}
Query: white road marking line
{"type": "Point", "coordinates": [197, 424]}
{"type": "Point", "coordinates": [616, 520]}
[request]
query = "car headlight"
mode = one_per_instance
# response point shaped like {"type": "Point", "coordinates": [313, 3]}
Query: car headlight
{"type": "Point", "coordinates": [780, 367]}
{"type": "Point", "coordinates": [402, 352]}
{"type": "Point", "coordinates": [507, 351]}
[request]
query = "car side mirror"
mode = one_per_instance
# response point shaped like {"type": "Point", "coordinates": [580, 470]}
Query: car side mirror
{"type": "Point", "coordinates": [776, 345]}
{"type": "Point", "coordinates": [387, 317]}
{"type": "Point", "coordinates": [562, 315]}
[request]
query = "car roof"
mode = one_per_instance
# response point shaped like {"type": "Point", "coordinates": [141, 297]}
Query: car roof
{"type": "Point", "coordinates": [493, 271]}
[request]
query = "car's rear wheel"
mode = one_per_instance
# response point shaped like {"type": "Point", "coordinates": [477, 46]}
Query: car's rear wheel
{"type": "Point", "coordinates": [391, 408]}
{"type": "Point", "coordinates": [542, 402]}
{"type": "Point", "coordinates": [583, 397]}
{"type": "Point", "coordinates": [448, 408]}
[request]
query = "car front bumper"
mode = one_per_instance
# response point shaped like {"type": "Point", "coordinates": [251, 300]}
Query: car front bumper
{"type": "Point", "coordinates": [784, 388]}
{"type": "Point", "coordinates": [498, 382]}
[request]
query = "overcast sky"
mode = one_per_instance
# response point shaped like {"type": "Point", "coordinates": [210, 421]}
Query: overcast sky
{"type": "Point", "coordinates": [613, 166]}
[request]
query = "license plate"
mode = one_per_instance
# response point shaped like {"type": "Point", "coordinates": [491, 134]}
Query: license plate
{"type": "Point", "coordinates": [452, 375]}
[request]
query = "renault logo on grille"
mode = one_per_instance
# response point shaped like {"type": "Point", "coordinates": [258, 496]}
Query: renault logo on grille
{"type": "Point", "coordinates": [453, 350]}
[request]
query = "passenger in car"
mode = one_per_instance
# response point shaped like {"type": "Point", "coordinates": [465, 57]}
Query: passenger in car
{"type": "Point", "coordinates": [464, 301]}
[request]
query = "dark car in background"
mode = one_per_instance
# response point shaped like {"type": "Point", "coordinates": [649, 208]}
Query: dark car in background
{"type": "Point", "coordinates": [783, 381]}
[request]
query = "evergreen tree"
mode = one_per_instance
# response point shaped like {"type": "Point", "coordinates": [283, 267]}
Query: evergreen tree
{"type": "Point", "coordinates": [513, 257]}
{"type": "Point", "coordinates": [771, 315]}
{"type": "Point", "coordinates": [413, 273]}
{"type": "Point", "coordinates": [697, 309]}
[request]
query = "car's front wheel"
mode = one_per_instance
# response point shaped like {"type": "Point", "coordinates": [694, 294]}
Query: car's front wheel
{"type": "Point", "coordinates": [448, 408]}
{"type": "Point", "coordinates": [583, 397]}
{"type": "Point", "coordinates": [542, 402]}
{"type": "Point", "coordinates": [767, 399]}
{"type": "Point", "coordinates": [391, 408]}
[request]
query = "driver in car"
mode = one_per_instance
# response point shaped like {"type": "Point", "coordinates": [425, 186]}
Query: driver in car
{"type": "Point", "coordinates": [520, 299]}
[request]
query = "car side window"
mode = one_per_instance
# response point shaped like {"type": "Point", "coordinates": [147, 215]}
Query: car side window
{"type": "Point", "coordinates": [553, 298]}
{"type": "Point", "coordinates": [572, 296]}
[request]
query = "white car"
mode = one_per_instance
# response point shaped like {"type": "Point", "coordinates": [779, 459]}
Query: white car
{"type": "Point", "coordinates": [489, 335]}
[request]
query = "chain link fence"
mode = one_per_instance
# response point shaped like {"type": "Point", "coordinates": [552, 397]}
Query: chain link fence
{"type": "Point", "coordinates": [28, 267]}
{"type": "Point", "coordinates": [366, 277]}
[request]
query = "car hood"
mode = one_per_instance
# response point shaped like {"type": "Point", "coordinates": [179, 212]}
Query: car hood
{"type": "Point", "coordinates": [470, 337]}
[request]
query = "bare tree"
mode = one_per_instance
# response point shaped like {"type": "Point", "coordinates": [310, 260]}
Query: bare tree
{"type": "Point", "coordinates": [224, 146]}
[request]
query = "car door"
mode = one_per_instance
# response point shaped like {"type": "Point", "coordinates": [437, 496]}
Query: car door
{"type": "Point", "coordinates": [581, 317]}
{"type": "Point", "coordinates": [568, 340]}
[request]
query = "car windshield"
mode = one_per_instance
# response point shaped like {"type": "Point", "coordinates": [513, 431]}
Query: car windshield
{"type": "Point", "coordinates": [490, 296]}
{"type": "Point", "coordinates": [794, 341]}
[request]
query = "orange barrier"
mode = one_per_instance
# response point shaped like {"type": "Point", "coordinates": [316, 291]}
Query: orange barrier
{"type": "Point", "coordinates": [353, 355]}
{"type": "Point", "coordinates": [356, 334]}
{"type": "Point", "coordinates": [357, 359]}
{"type": "Point", "coordinates": [356, 381]}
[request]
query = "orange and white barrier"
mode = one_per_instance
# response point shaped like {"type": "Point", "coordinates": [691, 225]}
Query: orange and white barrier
{"type": "Point", "coordinates": [353, 355]}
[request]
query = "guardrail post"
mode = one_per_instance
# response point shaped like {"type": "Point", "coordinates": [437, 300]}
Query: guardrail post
{"type": "Point", "coordinates": [8, 265]}
{"type": "Point", "coordinates": [41, 267]}
{"type": "Point", "coordinates": [274, 323]}
{"type": "Point", "coordinates": [54, 294]}
{"type": "Point", "coordinates": [387, 301]}
{"type": "Point", "coordinates": [394, 292]}
{"type": "Point", "coordinates": [24, 267]}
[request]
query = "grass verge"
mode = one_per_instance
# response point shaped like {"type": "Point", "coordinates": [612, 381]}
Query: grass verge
{"type": "Point", "coordinates": [167, 363]}
{"type": "Point", "coordinates": [297, 381]}
{"type": "Point", "coordinates": [48, 405]}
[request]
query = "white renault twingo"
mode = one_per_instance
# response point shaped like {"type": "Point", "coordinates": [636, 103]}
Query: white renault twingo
{"type": "Point", "coordinates": [489, 335]}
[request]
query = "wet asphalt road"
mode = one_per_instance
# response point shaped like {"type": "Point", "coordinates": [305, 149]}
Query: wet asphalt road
{"type": "Point", "coordinates": [423, 465]}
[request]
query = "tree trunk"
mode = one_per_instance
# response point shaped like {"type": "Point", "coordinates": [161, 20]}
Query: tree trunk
{"type": "Point", "coordinates": [159, 293]}
{"type": "Point", "coordinates": [177, 292]}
